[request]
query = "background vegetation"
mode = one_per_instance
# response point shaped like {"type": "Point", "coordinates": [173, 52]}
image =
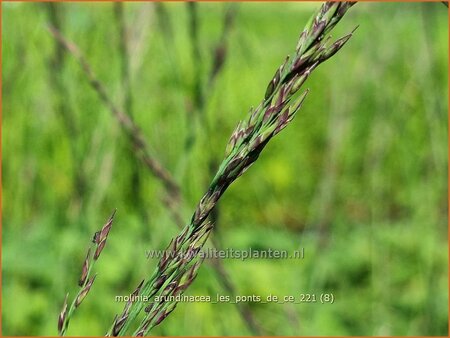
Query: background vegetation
{"type": "Point", "coordinates": [359, 179]}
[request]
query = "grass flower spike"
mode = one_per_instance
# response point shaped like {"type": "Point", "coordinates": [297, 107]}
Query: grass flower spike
{"type": "Point", "coordinates": [86, 281]}
{"type": "Point", "coordinates": [282, 100]}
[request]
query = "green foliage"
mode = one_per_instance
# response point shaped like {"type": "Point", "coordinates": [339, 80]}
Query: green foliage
{"type": "Point", "coordinates": [359, 179]}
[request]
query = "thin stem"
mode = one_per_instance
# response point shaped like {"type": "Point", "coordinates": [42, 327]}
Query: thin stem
{"type": "Point", "coordinates": [128, 125]}
{"type": "Point", "coordinates": [61, 103]}
{"type": "Point", "coordinates": [119, 13]}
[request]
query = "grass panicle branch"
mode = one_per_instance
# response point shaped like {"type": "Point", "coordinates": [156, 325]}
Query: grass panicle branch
{"type": "Point", "coordinates": [282, 101]}
{"type": "Point", "coordinates": [86, 279]}
{"type": "Point", "coordinates": [172, 199]}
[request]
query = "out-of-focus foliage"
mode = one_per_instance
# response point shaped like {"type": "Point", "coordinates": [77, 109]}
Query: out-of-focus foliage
{"type": "Point", "coordinates": [359, 179]}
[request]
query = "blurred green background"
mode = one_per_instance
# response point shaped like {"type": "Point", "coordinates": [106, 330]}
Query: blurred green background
{"type": "Point", "coordinates": [359, 179]}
